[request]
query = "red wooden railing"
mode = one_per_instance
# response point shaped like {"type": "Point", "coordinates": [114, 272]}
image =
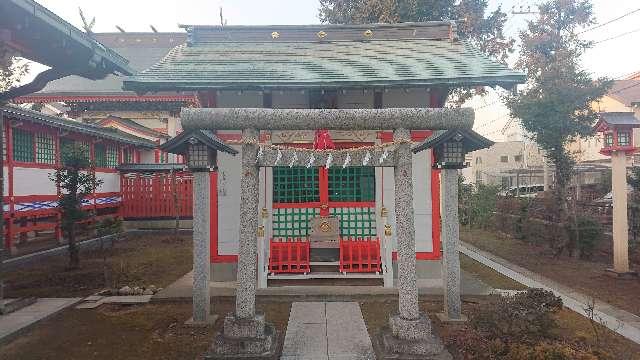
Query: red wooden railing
{"type": "Point", "coordinates": [360, 255]}
{"type": "Point", "coordinates": [289, 256]}
{"type": "Point", "coordinates": [151, 196]}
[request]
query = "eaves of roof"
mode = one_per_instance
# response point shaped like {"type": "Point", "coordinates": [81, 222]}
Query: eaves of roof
{"type": "Point", "coordinates": [74, 126]}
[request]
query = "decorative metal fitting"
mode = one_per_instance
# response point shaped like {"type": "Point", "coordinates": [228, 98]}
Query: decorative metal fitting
{"type": "Point", "coordinates": [261, 231]}
{"type": "Point", "coordinates": [368, 33]}
{"type": "Point", "coordinates": [384, 212]}
{"type": "Point", "coordinates": [275, 35]}
{"type": "Point", "coordinates": [324, 206]}
{"type": "Point", "coordinates": [321, 34]}
{"type": "Point", "coordinates": [264, 213]}
{"type": "Point", "coordinates": [387, 230]}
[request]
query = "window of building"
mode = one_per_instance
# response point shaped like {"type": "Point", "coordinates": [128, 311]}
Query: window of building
{"type": "Point", "coordinates": [504, 159]}
{"type": "Point", "coordinates": [624, 138]}
{"type": "Point", "coordinates": [45, 149]}
{"type": "Point", "coordinates": [608, 139]}
{"type": "Point", "coordinates": [478, 177]}
{"type": "Point", "coordinates": [478, 160]}
{"type": "Point", "coordinates": [105, 156]}
{"type": "Point", "coordinates": [67, 145]}
{"type": "Point", "coordinates": [517, 158]}
{"type": "Point", "coordinates": [128, 156]}
{"type": "Point", "coordinates": [23, 149]}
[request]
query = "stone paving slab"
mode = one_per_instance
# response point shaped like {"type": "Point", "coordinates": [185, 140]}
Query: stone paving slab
{"type": "Point", "coordinates": [346, 332]}
{"type": "Point", "coordinates": [182, 288]}
{"type": "Point", "coordinates": [618, 320]}
{"type": "Point", "coordinates": [326, 330]}
{"type": "Point", "coordinates": [119, 300]}
{"type": "Point", "coordinates": [15, 322]}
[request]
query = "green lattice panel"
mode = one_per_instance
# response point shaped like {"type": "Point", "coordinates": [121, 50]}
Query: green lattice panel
{"type": "Point", "coordinates": [293, 222]}
{"type": "Point", "coordinates": [112, 156]}
{"type": "Point", "coordinates": [353, 183]}
{"type": "Point", "coordinates": [22, 146]}
{"type": "Point", "coordinates": [356, 221]}
{"type": "Point", "coordinates": [45, 149]}
{"type": "Point", "coordinates": [295, 185]}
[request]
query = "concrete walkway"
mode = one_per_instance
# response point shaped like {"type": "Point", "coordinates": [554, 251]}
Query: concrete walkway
{"type": "Point", "coordinates": [618, 320]}
{"type": "Point", "coordinates": [182, 288]}
{"type": "Point", "coordinates": [326, 331]}
{"type": "Point", "coordinates": [14, 323]}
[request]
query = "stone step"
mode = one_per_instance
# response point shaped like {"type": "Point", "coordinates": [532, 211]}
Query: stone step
{"type": "Point", "coordinates": [324, 275]}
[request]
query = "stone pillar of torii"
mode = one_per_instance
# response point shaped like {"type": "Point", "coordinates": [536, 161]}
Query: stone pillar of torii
{"type": "Point", "coordinates": [245, 331]}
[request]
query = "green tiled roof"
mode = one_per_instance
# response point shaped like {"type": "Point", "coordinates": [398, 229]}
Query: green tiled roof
{"type": "Point", "coordinates": [18, 113]}
{"type": "Point", "coordinates": [209, 62]}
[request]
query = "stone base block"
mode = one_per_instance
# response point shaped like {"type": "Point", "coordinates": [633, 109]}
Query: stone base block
{"type": "Point", "coordinates": [424, 349]}
{"type": "Point", "coordinates": [11, 305]}
{"type": "Point", "coordinates": [258, 348]}
{"type": "Point", "coordinates": [210, 321]}
{"type": "Point", "coordinates": [236, 328]}
{"type": "Point", "coordinates": [629, 275]}
{"type": "Point", "coordinates": [445, 319]}
{"type": "Point", "coordinates": [410, 329]}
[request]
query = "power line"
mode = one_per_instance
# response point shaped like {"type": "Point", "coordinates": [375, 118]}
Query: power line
{"type": "Point", "coordinates": [617, 36]}
{"type": "Point", "coordinates": [609, 22]}
{"type": "Point", "coordinates": [624, 88]}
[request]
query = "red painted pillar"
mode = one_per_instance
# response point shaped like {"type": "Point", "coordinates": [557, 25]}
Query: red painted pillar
{"type": "Point", "coordinates": [213, 213]}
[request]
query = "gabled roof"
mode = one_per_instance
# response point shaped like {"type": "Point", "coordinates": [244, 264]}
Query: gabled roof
{"type": "Point", "coordinates": [128, 123]}
{"type": "Point", "coordinates": [42, 36]}
{"type": "Point", "coordinates": [178, 144]}
{"type": "Point", "coordinates": [627, 119]}
{"type": "Point", "coordinates": [18, 113]}
{"type": "Point", "coordinates": [322, 56]}
{"type": "Point", "coordinates": [625, 91]}
{"type": "Point", "coordinates": [141, 49]}
{"type": "Point", "coordinates": [472, 140]}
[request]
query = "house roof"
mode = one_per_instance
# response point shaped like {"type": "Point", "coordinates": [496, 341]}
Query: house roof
{"type": "Point", "coordinates": [472, 140]}
{"type": "Point", "coordinates": [42, 36]}
{"type": "Point", "coordinates": [141, 49]}
{"type": "Point", "coordinates": [626, 91]}
{"type": "Point", "coordinates": [133, 125]}
{"type": "Point", "coordinates": [178, 144]}
{"type": "Point", "coordinates": [617, 118]}
{"type": "Point", "coordinates": [322, 56]}
{"type": "Point", "coordinates": [15, 112]}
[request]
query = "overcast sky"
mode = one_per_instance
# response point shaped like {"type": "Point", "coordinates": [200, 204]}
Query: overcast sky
{"type": "Point", "coordinates": [612, 58]}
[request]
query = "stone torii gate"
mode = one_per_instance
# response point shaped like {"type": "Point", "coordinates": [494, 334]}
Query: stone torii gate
{"type": "Point", "coordinates": [245, 333]}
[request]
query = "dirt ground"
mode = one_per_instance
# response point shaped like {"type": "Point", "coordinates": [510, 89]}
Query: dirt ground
{"type": "Point", "coordinates": [588, 277]}
{"type": "Point", "coordinates": [152, 331]}
{"type": "Point", "coordinates": [140, 260]}
{"type": "Point", "coordinates": [157, 331]}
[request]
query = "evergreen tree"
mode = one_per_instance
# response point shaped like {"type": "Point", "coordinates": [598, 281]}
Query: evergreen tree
{"type": "Point", "coordinates": [77, 180]}
{"type": "Point", "coordinates": [555, 109]}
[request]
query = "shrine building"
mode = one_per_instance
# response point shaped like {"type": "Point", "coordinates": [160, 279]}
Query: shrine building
{"type": "Point", "coordinates": [323, 220]}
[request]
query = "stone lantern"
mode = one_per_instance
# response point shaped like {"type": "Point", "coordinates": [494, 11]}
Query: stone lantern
{"type": "Point", "coordinates": [617, 135]}
{"type": "Point", "coordinates": [449, 149]}
{"type": "Point", "coordinates": [200, 148]}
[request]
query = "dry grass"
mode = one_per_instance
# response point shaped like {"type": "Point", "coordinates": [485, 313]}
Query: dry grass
{"type": "Point", "coordinates": [588, 277]}
{"type": "Point", "coordinates": [138, 261]}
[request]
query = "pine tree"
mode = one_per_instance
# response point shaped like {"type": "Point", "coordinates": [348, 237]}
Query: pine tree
{"type": "Point", "coordinates": [77, 180]}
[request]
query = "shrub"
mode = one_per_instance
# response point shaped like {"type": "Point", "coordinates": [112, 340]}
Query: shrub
{"type": "Point", "coordinates": [588, 236]}
{"type": "Point", "coordinates": [109, 226]}
{"type": "Point", "coordinates": [521, 318]}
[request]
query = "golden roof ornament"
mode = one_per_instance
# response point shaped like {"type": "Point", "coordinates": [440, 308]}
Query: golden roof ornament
{"type": "Point", "coordinates": [368, 33]}
{"type": "Point", "coordinates": [264, 213]}
{"type": "Point", "coordinates": [384, 212]}
{"type": "Point", "coordinates": [260, 231]}
{"type": "Point", "coordinates": [321, 34]}
{"type": "Point", "coordinates": [275, 35]}
{"type": "Point", "coordinates": [387, 230]}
